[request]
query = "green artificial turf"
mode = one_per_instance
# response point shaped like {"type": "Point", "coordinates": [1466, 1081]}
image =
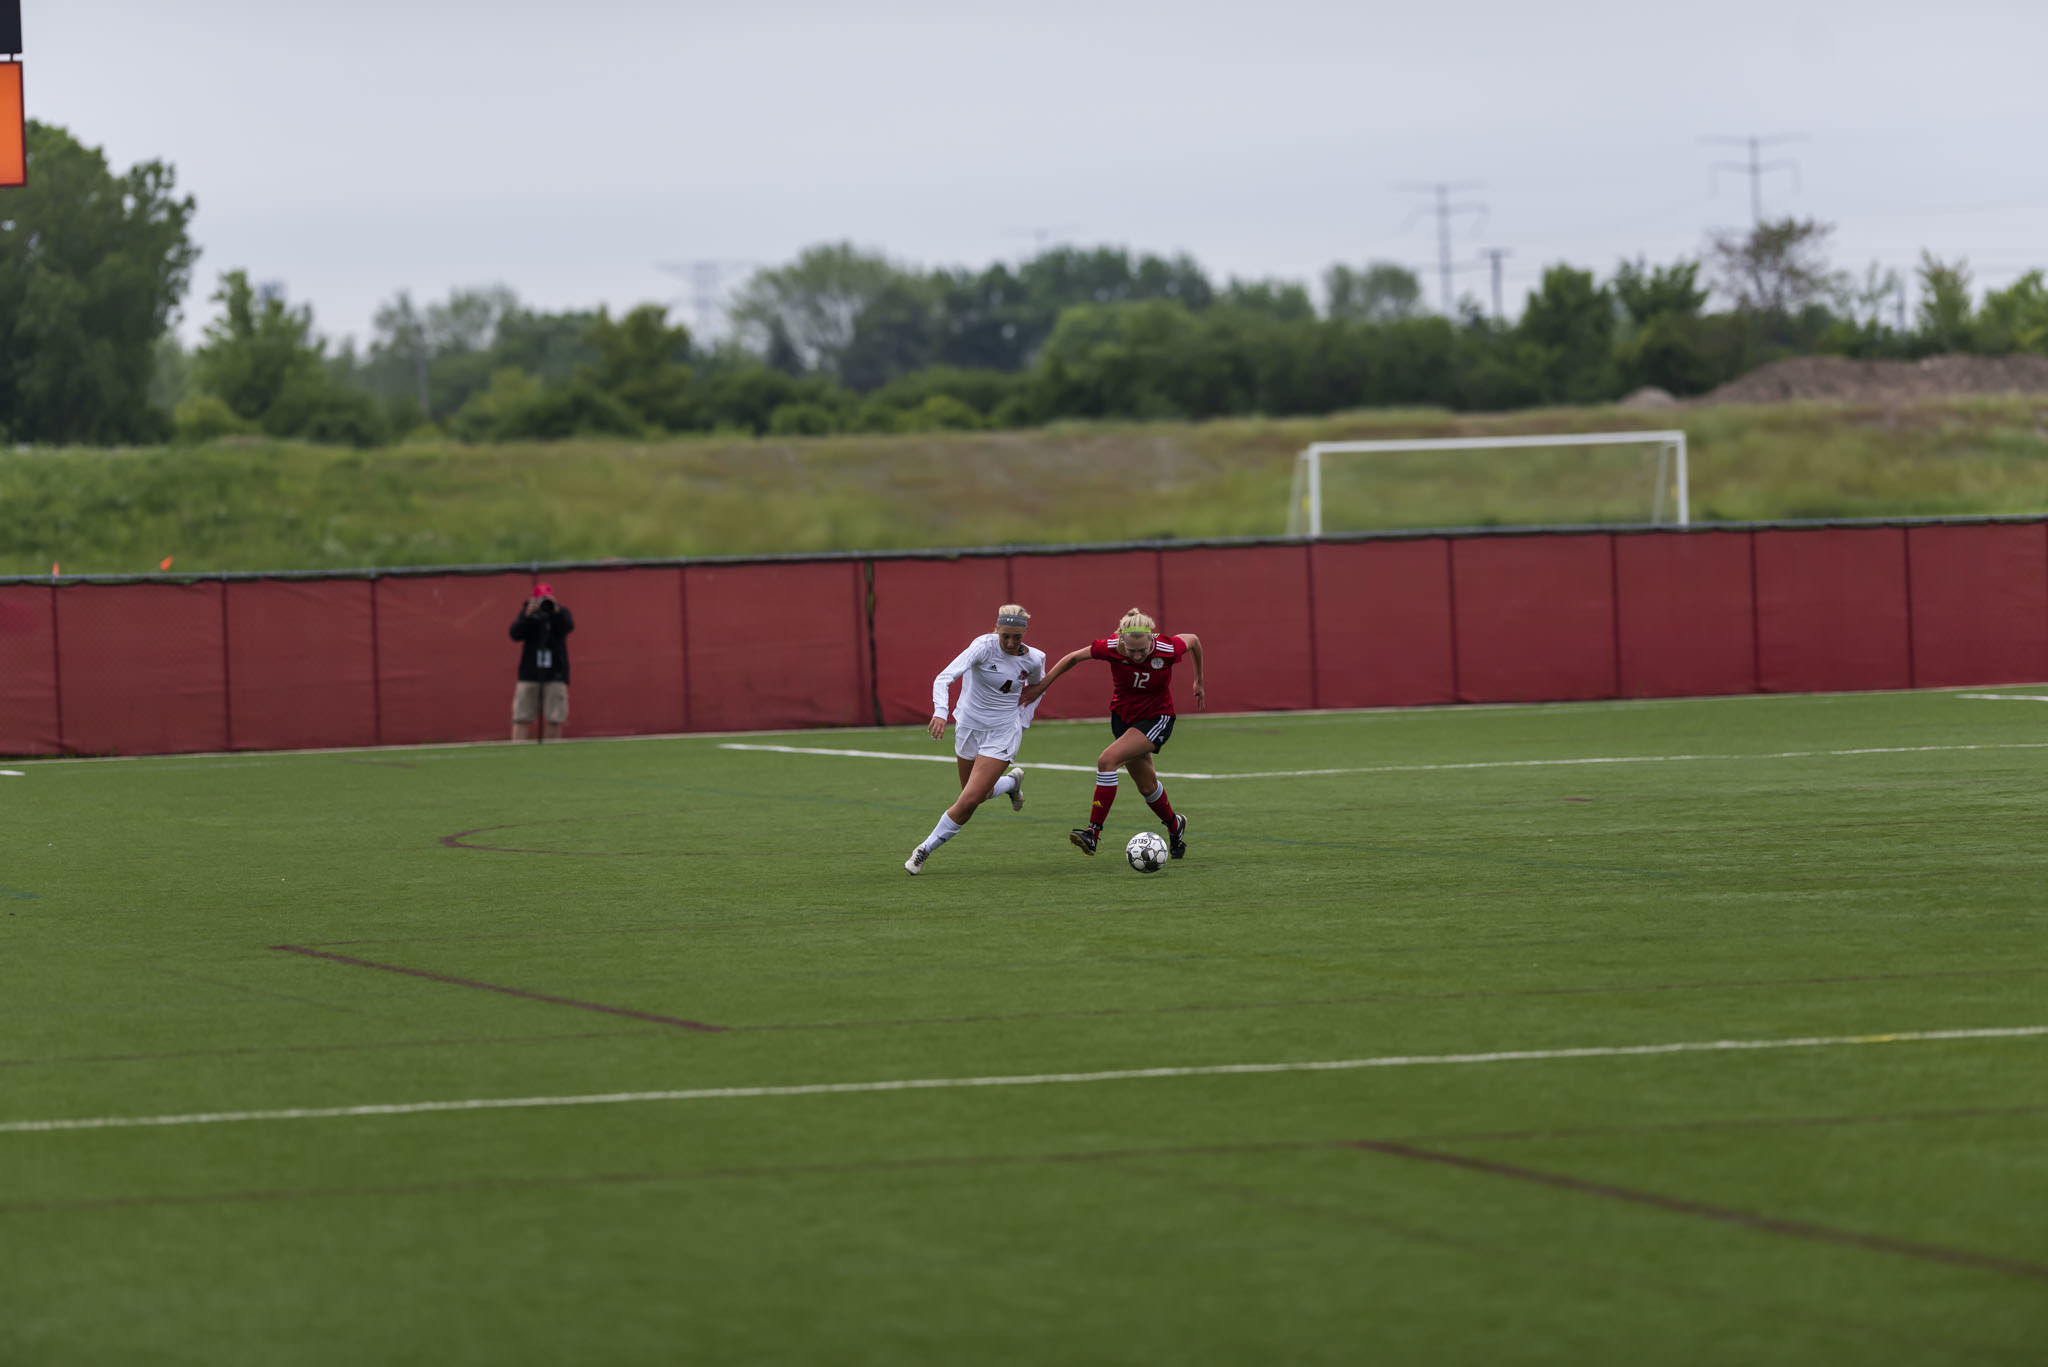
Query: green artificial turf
{"type": "Point", "coordinates": [258, 505]}
{"type": "Point", "coordinates": [553, 922]}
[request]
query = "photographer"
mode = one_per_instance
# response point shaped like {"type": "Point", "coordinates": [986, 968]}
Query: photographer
{"type": "Point", "coordinates": [542, 629]}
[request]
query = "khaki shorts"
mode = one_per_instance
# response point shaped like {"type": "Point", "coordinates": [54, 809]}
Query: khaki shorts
{"type": "Point", "coordinates": [529, 700]}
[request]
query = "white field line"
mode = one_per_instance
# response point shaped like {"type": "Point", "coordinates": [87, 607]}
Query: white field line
{"type": "Point", "coordinates": [1429, 768]}
{"type": "Point", "coordinates": [456, 747]}
{"type": "Point", "coordinates": [127, 1122]}
{"type": "Point", "coordinates": [2006, 697]}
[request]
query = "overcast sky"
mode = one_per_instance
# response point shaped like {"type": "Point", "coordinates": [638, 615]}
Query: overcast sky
{"type": "Point", "coordinates": [350, 150]}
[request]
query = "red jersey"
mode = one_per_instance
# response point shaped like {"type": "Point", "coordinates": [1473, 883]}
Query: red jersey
{"type": "Point", "coordinates": [1142, 689]}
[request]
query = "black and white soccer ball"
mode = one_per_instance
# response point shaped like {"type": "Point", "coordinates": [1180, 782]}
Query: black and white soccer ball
{"type": "Point", "coordinates": [1146, 852]}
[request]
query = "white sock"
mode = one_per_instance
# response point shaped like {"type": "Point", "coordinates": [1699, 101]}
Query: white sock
{"type": "Point", "coordinates": [1003, 785]}
{"type": "Point", "coordinates": [1153, 796]}
{"type": "Point", "coordinates": [941, 833]}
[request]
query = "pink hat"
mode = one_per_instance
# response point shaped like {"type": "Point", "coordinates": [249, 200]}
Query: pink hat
{"type": "Point", "coordinates": [543, 591]}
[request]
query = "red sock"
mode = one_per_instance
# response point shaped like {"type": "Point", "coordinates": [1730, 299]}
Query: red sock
{"type": "Point", "coordinates": [1161, 808]}
{"type": "Point", "coordinates": [1105, 793]}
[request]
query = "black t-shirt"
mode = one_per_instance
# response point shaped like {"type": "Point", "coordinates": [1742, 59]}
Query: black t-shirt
{"type": "Point", "coordinates": [543, 638]}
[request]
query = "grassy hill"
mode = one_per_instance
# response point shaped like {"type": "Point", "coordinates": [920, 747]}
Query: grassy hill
{"type": "Point", "coordinates": [250, 505]}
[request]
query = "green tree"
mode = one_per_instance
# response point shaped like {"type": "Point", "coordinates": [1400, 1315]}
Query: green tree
{"type": "Point", "coordinates": [1283, 300]}
{"type": "Point", "coordinates": [641, 362]}
{"type": "Point", "coordinates": [1648, 292]}
{"type": "Point", "coordinates": [551, 346]}
{"type": "Point", "coordinates": [1778, 268]}
{"type": "Point", "coordinates": [1944, 312]}
{"type": "Point", "coordinates": [1571, 320]}
{"type": "Point", "coordinates": [2014, 318]}
{"type": "Point", "coordinates": [257, 348]}
{"type": "Point", "coordinates": [1381, 293]}
{"type": "Point", "coordinates": [432, 358]}
{"type": "Point", "coordinates": [261, 358]}
{"type": "Point", "coordinates": [1663, 339]}
{"type": "Point", "coordinates": [898, 333]}
{"type": "Point", "coordinates": [816, 300]}
{"type": "Point", "coordinates": [92, 265]}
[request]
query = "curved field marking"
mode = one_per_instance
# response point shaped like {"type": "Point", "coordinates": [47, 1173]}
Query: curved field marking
{"type": "Point", "coordinates": [510, 1103]}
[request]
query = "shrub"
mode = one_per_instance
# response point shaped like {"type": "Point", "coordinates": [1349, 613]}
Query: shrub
{"type": "Point", "coordinates": [204, 418]}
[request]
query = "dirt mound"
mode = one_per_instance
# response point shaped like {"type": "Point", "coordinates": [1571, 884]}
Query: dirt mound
{"type": "Point", "coordinates": [1838, 378]}
{"type": "Point", "coordinates": [1649, 396]}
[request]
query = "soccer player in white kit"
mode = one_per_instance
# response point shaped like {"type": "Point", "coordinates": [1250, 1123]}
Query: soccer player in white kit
{"type": "Point", "coordinates": [988, 724]}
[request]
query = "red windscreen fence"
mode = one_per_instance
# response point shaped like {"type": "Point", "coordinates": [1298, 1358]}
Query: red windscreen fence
{"type": "Point", "coordinates": [285, 663]}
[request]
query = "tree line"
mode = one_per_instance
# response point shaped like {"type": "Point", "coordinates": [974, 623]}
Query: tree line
{"type": "Point", "coordinates": [93, 264]}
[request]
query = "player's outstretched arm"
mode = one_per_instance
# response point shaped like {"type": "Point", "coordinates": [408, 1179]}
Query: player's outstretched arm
{"type": "Point", "coordinates": [1195, 655]}
{"type": "Point", "coordinates": [1066, 662]}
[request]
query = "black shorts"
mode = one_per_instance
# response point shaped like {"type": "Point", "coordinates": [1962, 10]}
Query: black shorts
{"type": "Point", "coordinates": [1159, 730]}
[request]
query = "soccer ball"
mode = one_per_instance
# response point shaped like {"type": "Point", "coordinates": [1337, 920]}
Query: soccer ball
{"type": "Point", "coordinates": [1147, 852]}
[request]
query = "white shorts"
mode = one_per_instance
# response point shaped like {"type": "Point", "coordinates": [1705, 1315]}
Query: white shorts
{"type": "Point", "coordinates": [997, 742]}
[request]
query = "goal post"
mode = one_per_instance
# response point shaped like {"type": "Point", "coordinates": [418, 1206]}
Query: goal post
{"type": "Point", "coordinates": [1305, 505]}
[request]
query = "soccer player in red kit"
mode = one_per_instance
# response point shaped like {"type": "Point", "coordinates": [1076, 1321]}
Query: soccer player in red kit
{"type": "Point", "coordinates": [1141, 715]}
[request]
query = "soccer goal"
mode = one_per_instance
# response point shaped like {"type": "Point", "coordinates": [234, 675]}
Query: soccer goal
{"type": "Point", "coordinates": [1664, 492]}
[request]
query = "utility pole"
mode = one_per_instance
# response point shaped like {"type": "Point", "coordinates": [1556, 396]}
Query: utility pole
{"type": "Point", "coordinates": [1445, 210]}
{"type": "Point", "coordinates": [1755, 167]}
{"type": "Point", "coordinates": [1494, 255]}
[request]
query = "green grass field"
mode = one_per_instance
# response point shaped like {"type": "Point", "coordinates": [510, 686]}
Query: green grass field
{"type": "Point", "coordinates": [255, 506]}
{"type": "Point", "coordinates": [357, 939]}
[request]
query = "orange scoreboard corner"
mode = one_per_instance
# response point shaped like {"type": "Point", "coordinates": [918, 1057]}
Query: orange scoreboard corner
{"type": "Point", "coordinates": [13, 134]}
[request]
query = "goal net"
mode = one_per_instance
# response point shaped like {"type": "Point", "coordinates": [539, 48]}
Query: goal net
{"type": "Point", "coordinates": [1563, 479]}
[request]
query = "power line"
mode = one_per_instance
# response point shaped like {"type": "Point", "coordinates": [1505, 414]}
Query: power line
{"type": "Point", "coordinates": [1445, 211]}
{"type": "Point", "coordinates": [1755, 167]}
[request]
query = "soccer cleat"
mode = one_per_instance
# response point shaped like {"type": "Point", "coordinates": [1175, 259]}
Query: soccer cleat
{"type": "Point", "coordinates": [1085, 837]}
{"type": "Point", "coordinates": [915, 864]}
{"type": "Point", "coordinates": [1174, 843]}
{"type": "Point", "coordinates": [1016, 771]}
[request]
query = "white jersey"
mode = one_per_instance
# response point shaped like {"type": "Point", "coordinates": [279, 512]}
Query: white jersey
{"type": "Point", "coordinates": [990, 682]}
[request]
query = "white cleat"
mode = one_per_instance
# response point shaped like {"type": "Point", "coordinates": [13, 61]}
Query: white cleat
{"type": "Point", "coordinates": [1016, 771]}
{"type": "Point", "coordinates": [915, 864]}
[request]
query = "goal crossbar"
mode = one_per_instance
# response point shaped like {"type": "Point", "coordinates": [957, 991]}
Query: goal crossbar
{"type": "Point", "coordinates": [1308, 465]}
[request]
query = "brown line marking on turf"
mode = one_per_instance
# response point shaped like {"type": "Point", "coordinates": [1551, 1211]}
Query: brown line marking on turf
{"type": "Point", "coordinates": [457, 1186]}
{"type": "Point", "coordinates": [495, 987]}
{"type": "Point", "coordinates": [1677, 1205]}
{"type": "Point", "coordinates": [1109, 1011]}
{"type": "Point", "coordinates": [457, 842]}
{"type": "Point", "coordinates": [1594, 1268]}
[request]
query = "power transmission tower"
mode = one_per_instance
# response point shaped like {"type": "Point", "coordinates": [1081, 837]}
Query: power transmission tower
{"type": "Point", "coordinates": [1755, 167]}
{"type": "Point", "coordinates": [1494, 255]}
{"type": "Point", "coordinates": [1444, 210]}
{"type": "Point", "coordinates": [707, 289]}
